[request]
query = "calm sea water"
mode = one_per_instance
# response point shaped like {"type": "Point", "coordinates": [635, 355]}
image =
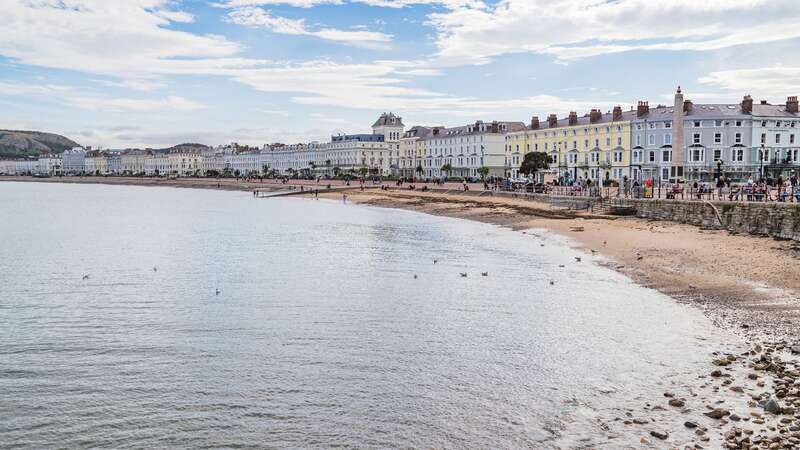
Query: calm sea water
{"type": "Point", "coordinates": [320, 335]}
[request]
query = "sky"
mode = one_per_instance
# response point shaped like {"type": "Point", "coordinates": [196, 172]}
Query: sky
{"type": "Point", "coordinates": [154, 73]}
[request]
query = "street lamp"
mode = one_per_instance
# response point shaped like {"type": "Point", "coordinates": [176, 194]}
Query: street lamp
{"type": "Point", "coordinates": [719, 169]}
{"type": "Point", "coordinates": [761, 162]}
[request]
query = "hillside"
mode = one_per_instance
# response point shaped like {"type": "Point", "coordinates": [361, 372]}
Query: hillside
{"type": "Point", "coordinates": [16, 143]}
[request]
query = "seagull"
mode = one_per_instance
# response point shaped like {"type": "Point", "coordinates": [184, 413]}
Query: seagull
{"type": "Point", "coordinates": [578, 258]}
{"type": "Point", "coordinates": [217, 292]}
{"type": "Point", "coordinates": [86, 277]}
{"type": "Point", "coordinates": [594, 251]}
{"type": "Point", "coordinates": [541, 245]}
{"type": "Point", "coordinates": [415, 276]}
{"type": "Point", "coordinates": [155, 269]}
{"type": "Point", "coordinates": [639, 257]}
{"type": "Point", "coordinates": [604, 242]}
{"type": "Point", "coordinates": [484, 274]}
{"type": "Point", "coordinates": [560, 265]}
{"type": "Point", "coordinates": [463, 274]}
{"type": "Point", "coordinates": [552, 282]}
{"type": "Point", "coordinates": [435, 261]}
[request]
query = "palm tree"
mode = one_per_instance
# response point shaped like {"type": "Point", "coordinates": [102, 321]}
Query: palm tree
{"type": "Point", "coordinates": [446, 169]}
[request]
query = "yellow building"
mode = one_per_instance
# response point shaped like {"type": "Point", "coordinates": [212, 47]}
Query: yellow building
{"type": "Point", "coordinates": [595, 147]}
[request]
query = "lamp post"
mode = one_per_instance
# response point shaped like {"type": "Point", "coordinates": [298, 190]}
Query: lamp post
{"type": "Point", "coordinates": [761, 162]}
{"type": "Point", "coordinates": [719, 169]}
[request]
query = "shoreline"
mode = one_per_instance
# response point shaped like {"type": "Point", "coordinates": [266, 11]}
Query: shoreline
{"type": "Point", "coordinates": [756, 300]}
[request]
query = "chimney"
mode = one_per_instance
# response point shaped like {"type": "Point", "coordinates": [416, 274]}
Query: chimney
{"type": "Point", "coordinates": [535, 123]}
{"type": "Point", "coordinates": [687, 106]}
{"type": "Point", "coordinates": [552, 121]}
{"type": "Point", "coordinates": [747, 104]}
{"type": "Point", "coordinates": [617, 114]}
{"type": "Point", "coordinates": [495, 127]}
{"type": "Point", "coordinates": [573, 118]}
{"type": "Point", "coordinates": [595, 115]}
{"type": "Point", "coordinates": [764, 102]}
{"type": "Point", "coordinates": [791, 104]}
{"type": "Point", "coordinates": [436, 131]}
{"type": "Point", "coordinates": [642, 109]}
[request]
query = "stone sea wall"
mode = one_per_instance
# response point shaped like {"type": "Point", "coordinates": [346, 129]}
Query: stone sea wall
{"type": "Point", "coordinates": [779, 220]}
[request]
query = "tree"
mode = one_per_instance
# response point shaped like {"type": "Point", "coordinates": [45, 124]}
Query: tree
{"type": "Point", "coordinates": [336, 171]}
{"type": "Point", "coordinates": [419, 169]}
{"type": "Point", "coordinates": [363, 171]}
{"type": "Point", "coordinates": [534, 162]}
{"type": "Point", "coordinates": [483, 171]}
{"type": "Point", "coordinates": [447, 168]}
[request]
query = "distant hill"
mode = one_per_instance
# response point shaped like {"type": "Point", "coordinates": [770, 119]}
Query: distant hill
{"type": "Point", "coordinates": [188, 146]}
{"type": "Point", "coordinates": [16, 143]}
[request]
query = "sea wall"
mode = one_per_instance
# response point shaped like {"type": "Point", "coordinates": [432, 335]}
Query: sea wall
{"type": "Point", "coordinates": [779, 220]}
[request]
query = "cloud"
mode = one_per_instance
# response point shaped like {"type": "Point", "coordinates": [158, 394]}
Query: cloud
{"type": "Point", "coordinates": [69, 96]}
{"type": "Point", "coordinates": [778, 81]}
{"type": "Point", "coordinates": [570, 29]}
{"type": "Point", "coordinates": [258, 17]}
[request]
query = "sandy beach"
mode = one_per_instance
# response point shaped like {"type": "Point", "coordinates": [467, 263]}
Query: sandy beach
{"type": "Point", "coordinates": [749, 285]}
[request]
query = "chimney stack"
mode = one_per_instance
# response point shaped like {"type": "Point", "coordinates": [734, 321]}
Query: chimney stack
{"type": "Point", "coordinates": [642, 109]}
{"type": "Point", "coordinates": [535, 123]}
{"type": "Point", "coordinates": [617, 114]}
{"type": "Point", "coordinates": [573, 118]}
{"type": "Point", "coordinates": [495, 127]}
{"type": "Point", "coordinates": [552, 121]}
{"type": "Point", "coordinates": [595, 115]}
{"type": "Point", "coordinates": [747, 104]}
{"type": "Point", "coordinates": [791, 104]}
{"type": "Point", "coordinates": [687, 106]}
{"type": "Point", "coordinates": [436, 131]}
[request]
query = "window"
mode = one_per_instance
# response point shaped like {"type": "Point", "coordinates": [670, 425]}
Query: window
{"type": "Point", "coordinates": [696, 138]}
{"type": "Point", "coordinates": [697, 154]}
{"type": "Point", "coordinates": [638, 140]}
{"type": "Point", "coordinates": [597, 142]}
{"type": "Point", "coordinates": [608, 142]}
{"type": "Point", "coordinates": [652, 156]}
{"type": "Point", "coordinates": [717, 138]}
{"type": "Point", "coordinates": [717, 154]}
{"type": "Point", "coordinates": [738, 123]}
{"type": "Point", "coordinates": [667, 124]}
{"type": "Point", "coordinates": [651, 139]}
{"type": "Point", "coordinates": [717, 123]}
{"type": "Point", "coordinates": [738, 154]}
{"type": "Point", "coordinates": [585, 143]}
{"type": "Point", "coordinates": [763, 123]}
{"type": "Point", "coordinates": [668, 139]}
{"type": "Point", "coordinates": [619, 141]}
{"type": "Point", "coordinates": [791, 139]}
{"type": "Point", "coordinates": [652, 125]}
{"type": "Point", "coordinates": [637, 156]}
{"type": "Point", "coordinates": [763, 138]}
{"type": "Point", "coordinates": [574, 145]}
{"type": "Point", "coordinates": [697, 124]}
{"type": "Point", "coordinates": [777, 138]}
{"type": "Point", "coordinates": [738, 138]}
{"type": "Point", "coordinates": [666, 156]}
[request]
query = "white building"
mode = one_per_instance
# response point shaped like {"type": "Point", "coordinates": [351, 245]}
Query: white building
{"type": "Point", "coordinates": [467, 148]}
{"type": "Point", "coordinates": [73, 161]}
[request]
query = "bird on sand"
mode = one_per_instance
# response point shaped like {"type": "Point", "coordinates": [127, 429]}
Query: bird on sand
{"type": "Point", "coordinates": [155, 269]}
{"type": "Point", "coordinates": [217, 292]}
{"type": "Point", "coordinates": [578, 258]}
{"type": "Point", "coordinates": [86, 277]}
{"type": "Point", "coordinates": [561, 265]}
{"type": "Point", "coordinates": [415, 276]}
{"type": "Point", "coordinates": [463, 274]}
{"type": "Point", "coordinates": [435, 261]}
{"type": "Point", "coordinates": [552, 282]}
{"type": "Point", "coordinates": [484, 274]}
